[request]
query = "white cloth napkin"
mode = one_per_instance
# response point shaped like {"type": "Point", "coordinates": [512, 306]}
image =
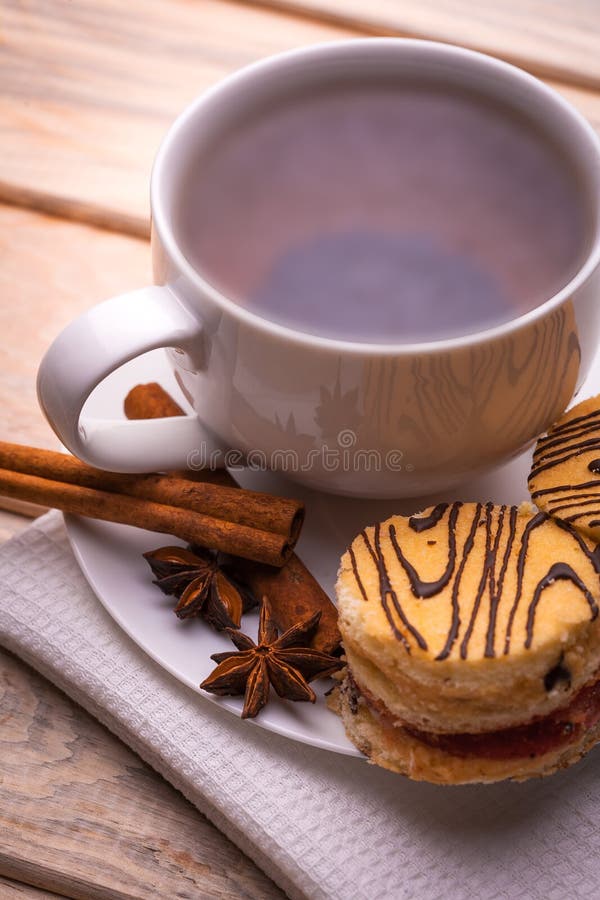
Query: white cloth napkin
{"type": "Point", "coordinates": [321, 825]}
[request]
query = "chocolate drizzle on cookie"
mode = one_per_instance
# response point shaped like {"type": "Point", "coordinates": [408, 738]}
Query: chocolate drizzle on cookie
{"type": "Point", "coordinates": [423, 589]}
{"type": "Point", "coordinates": [534, 523]}
{"type": "Point", "coordinates": [558, 572]}
{"type": "Point", "coordinates": [567, 451]}
{"type": "Point", "coordinates": [501, 526]}
{"type": "Point", "coordinates": [356, 575]}
{"type": "Point", "coordinates": [497, 593]}
{"type": "Point", "coordinates": [564, 443]}
{"type": "Point", "coordinates": [424, 523]}
{"type": "Point", "coordinates": [455, 623]}
{"type": "Point", "coordinates": [489, 565]}
{"type": "Point", "coordinates": [387, 593]}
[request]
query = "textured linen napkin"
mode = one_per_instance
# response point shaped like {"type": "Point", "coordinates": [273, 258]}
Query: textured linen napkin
{"type": "Point", "coordinates": [321, 825]}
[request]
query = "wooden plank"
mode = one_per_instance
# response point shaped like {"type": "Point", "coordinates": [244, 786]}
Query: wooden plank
{"type": "Point", "coordinates": [555, 40]}
{"type": "Point", "coordinates": [16, 890]}
{"type": "Point", "coordinates": [586, 101]}
{"type": "Point", "coordinates": [50, 271]}
{"type": "Point", "coordinates": [81, 815]}
{"type": "Point", "coordinates": [88, 89]}
{"type": "Point", "coordinates": [75, 210]}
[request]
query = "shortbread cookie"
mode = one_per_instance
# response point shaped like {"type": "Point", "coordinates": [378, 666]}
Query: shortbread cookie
{"type": "Point", "coordinates": [565, 477]}
{"type": "Point", "coordinates": [466, 621]}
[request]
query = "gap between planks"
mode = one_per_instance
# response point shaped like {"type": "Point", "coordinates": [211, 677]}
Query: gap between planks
{"type": "Point", "coordinates": [132, 225]}
{"type": "Point", "coordinates": [18, 890]}
{"type": "Point", "coordinates": [82, 816]}
{"type": "Point", "coordinates": [74, 210]}
{"type": "Point", "coordinates": [109, 190]}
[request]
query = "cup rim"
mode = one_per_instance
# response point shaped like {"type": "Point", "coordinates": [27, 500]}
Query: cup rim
{"type": "Point", "coordinates": [503, 69]}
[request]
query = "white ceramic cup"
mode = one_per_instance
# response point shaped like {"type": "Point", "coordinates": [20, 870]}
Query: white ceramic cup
{"type": "Point", "coordinates": [362, 419]}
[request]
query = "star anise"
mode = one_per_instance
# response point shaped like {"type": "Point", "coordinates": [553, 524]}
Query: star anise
{"type": "Point", "coordinates": [203, 585]}
{"type": "Point", "coordinates": [285, 662]}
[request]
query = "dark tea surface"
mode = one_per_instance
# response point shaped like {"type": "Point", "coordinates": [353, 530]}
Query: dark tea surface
{"type": "Point", "coordinates": [385, 214]}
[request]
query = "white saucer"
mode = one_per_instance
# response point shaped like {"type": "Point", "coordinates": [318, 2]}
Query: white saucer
{"type": "Point", "coordinates": [111, 559]}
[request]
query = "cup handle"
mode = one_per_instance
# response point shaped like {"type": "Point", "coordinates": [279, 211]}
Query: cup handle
{"type": "Point", "coordinates": [93, 346]}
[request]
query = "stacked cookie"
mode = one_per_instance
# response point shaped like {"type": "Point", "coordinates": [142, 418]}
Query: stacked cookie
{"type": "Point", "coordinates": [472, 632]}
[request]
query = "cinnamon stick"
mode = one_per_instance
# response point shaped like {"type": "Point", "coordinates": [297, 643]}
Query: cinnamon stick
{"type": "Point", "coordinates": [191, 526]}
{"type": "Point", "coordinates": [292, 590]}
{"type": "Point", "coordinates": [277, 515]}
{"type": "Point", "coordinates": [153, 397]}
{"type": "Point", "coordinates": [294, 594]}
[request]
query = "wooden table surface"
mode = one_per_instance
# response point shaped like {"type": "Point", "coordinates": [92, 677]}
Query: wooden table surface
{"type": "Point", "coordinates": [87, 88]}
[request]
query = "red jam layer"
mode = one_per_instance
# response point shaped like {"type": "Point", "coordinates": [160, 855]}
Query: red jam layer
{"type": "Point", "coordinates": [561, 728]}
